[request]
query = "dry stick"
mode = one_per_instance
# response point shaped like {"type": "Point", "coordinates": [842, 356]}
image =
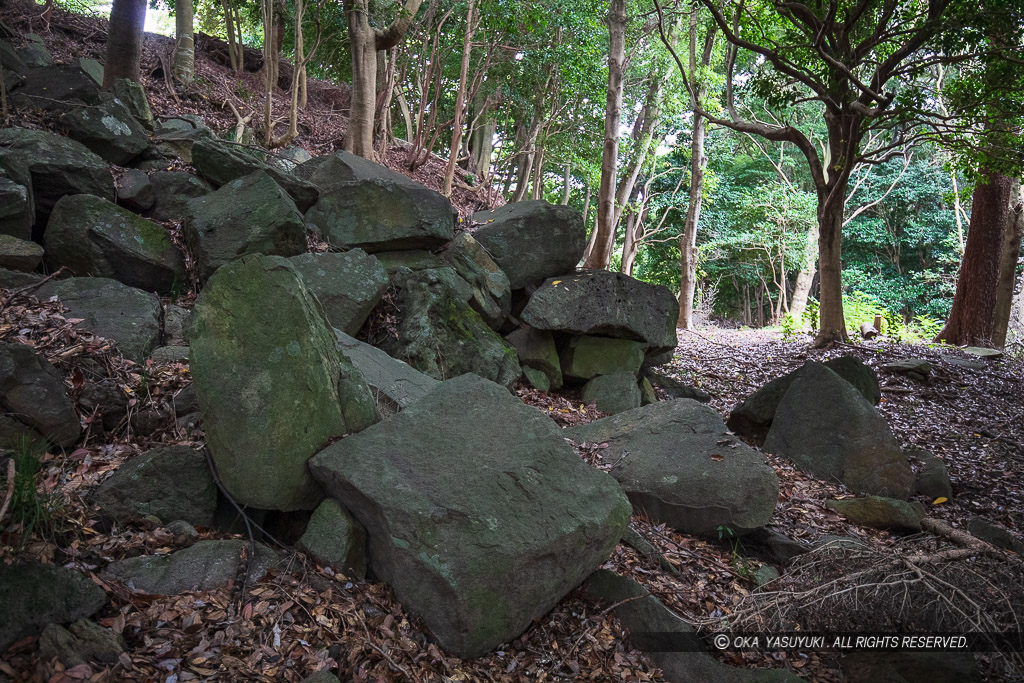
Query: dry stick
{"type": "Point", "coordinates": [40, 283]}
{"type": "Point", "coordinates": [383, 653]}
{"type": "Point", "coordinates": [10, 489]}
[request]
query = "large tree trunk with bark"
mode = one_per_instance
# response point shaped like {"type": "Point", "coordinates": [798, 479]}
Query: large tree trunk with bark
{"type": "Point", "coordinates": [600, 255]}
{"type": "Point", "coordinates": [185, 47]}
{"type": "Point", "coordinates": [124, 41]}
{"type": "Point", "coordinates": [972, 319]}
{"type": "Point", "coordinates": [830, 240]}
{"type": "Point", "coordinates": [688, 240]}
{"type": "Point", "coordinates": [1010, 253]}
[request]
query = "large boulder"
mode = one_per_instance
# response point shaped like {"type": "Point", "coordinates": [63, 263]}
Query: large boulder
{"type": "Point", "coordinates": [600, 302]}
{"type": "Point", "coordinates": [57, 165]}
{"type": "Point", "coordinates": [56, 89]}
{"type": "Point", "coordinates": [440, 335]}
{"type": "Point", "coordinates": [267, 375]}
{"type": "Point", "coordinates": [614, 393]}
{"type": "Point", "coordinates": [33, 390]}
{"type": "Point", "coordinates": [220, 162]}
{"type": "Point", "coordinates": [169, 483]}
{"type": "Point", "coordinates": [19, 254]}
{"type": "Point", "coordinates": [127, 316]}
{"type": "Point", "coordinates": [173, 190]}
{"type": "Point", "coordinates": [492, 296]}
{"type": "Point", "coordinates": [829, 429]}
{"type": "Point", "coordinates": [207, 565]}
{"type": "Point", "coordinates": [108, 129]}
{"type": "Point", "coordinates": [382, 214]}
{"type": "Point", "coordinates": [678, 465]}
{"type": "Point", "coordinates": [251, 215]}
{"type": "Point", "coordinates": [479, 515]}
{"type": "Point", "coordinates": [93, 236]}
{"type": "Point", "coordinates": [533, 240]}
{"type": "Point", "coordinates": [35, 594]}
{"type": "Point", "coordinates": [342, 167]}
{"type": "Point", "coordinates": [753, 416]}
{"type": "Point", "coordinates": [395, 385]}
{"type": "Point", "coordinates": [585, 357]}
{"type": "Point", "coordinates": [348, 285]}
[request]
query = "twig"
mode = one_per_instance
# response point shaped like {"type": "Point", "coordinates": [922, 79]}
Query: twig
{"type": "Point", "coordinates": [40, 283]}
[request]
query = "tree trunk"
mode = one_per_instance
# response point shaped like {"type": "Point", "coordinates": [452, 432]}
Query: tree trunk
{"type": "Point", "coordinates": [538, 174]}
{"type": "Point", "coordinates": [832, 323]}
{"type": "Point", "coordinates": [234, 39]}
{"type": "Point", "coordinates": [566, 184]}
{"type": "Point", "coordinates": [805, 278]}
{"type": "Point", "coordinates": [600, 256]}
{"type": "Point", "coordinates": [1010, 253]}
{"type": "Point", "coordinates": [483, 146]}
{"type": "Point", "coordinates": [185, 48]}
{"type": "Point", "coordinates": [688, 240]}
{"type": "Point", "coordinates": [124, 41]}
{"type": "Point", "coordinates": [629, 247]}
{"type": "Point", "coordinates": [460, 100]}
{"type": "Point", "coordinates": [971, 320]}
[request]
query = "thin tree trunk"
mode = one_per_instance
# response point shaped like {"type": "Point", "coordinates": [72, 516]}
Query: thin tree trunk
{"type": "Point", "coordinates": [460, 100]}
{"type": "Point", "coordinates": [234, 46]}
{"type": "Point", "coordinates": [538, 174]}
{"type": "Point", "coordinates": [124, 41]}
{"type": "Point", "coordinates": [600, 255]}
{"type": "Point", "coordinates": [805, 278]}
{"type": "Point", "coordinates": [1010, 253]}
{"type": "Point", "coordinates": [688, 240]}
{"type": "Point", "coordinates": [971, 320]}
{"type": "Point", "coordinates": [185, 47]}
{"type": "Point", "coordinates": [566, 184]}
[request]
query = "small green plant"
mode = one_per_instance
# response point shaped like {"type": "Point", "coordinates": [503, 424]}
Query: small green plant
{"type": "Point", "coordinates": [739, 563]}
{"type": "Point", "coordinates": [29, 510]}
{"type": "Point", "coordinates": [789, 328]}
{"type": "Point", "coordinates": [810, 314]}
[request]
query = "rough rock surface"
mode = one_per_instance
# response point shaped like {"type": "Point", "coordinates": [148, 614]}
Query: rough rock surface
{"type": "Point", "coordinates": [173, 190]}
{"type": "Point", "coordinates": [586, 357]}
{"type": "Point", "coordinates": [220, 162]}
{"type": "Point", "coordinates": [492, 296]}
{"type": "Point", "coordinates": [85, 642]}
{"type": "Point", "coordinates": [271, 384]}
{"type": "Point", "coordinates": [250, 215]}
{"type": "Point", "coordinates": [479, 514]}
{"type": "Point", "coordinates": [35, 594]}
{"type": "Point", "coordinates": [394, 384]}
{"type": "Point", "coordinates": [127, 316]}
{"type": "Point", "coordinates": [135, 191]}
{"type": "Point", "coordinates": [92, 236]}
{"type": "Point", "coordinates": [536, 349]}
{"type": "Point", "coordinates": [879, 512]}
{"type": "Point", "coordinates": [169, 483]}
{"type": "Point", "coordinates": [18, 254]}
{"type": "Point", "coordinates": [682, 468]}
{"type": "Point", "coordinates": [599, 302]}
{"type": "Point", "coordinates": [830, 430]}
{"type": "Point", "coordinates": [348, 285]}
{"type": "Point", "coordinates": [333, 538]}
{"type": "Point", "coordinates": [204, 566]}
{"type": "Point", "coordinates": [532, 240]}
{"type": "Point", "coordinates": [614, 393]}
{"type": "Point", "coordinates": [33, 391]}
{"type": "Point", "coordinates": [109, 130]}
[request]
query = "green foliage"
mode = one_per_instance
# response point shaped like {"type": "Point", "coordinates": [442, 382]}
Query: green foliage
{"type": "Point", "coordinates": [790, 330]}
{"type": "Point", "coordinates": [30, 510]}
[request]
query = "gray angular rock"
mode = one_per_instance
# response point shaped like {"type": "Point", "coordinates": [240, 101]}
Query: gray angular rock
{"type": "Point", "coordinates": [133, 96]}
{"type": "Point", "coordinates": [107, 129]}
{"type": "Point", "coordinates": [614, 393]}
{"type": "Point", "coordinates": [480, 516]}
{"type": "Point", "coordinates": [220, 162]}
{"type": "Point", "coordinates": [177, 325]}
{"type": "Point", "coordinates": [58, 166]}
{"type": "Point", "coordinates": [413, 259]}
{"type": "Point", "coordinates": [86, 642]}
{"type": "Point", "coordinates": [830, 430]}
{"type": "Point", "coordinates": [671, 643]}
{"type": "Point", "coordinates": [176, 138]}
{"type": "Point", "coordinates": [288, 158]}
{"type": "Point", "coordinates": [333, 538]}
{"type": "Point", "coordinates": [753, 416]}
{"type": "Point", "coordinates": [35, 594]}
{"type": "Point", "coordinates": [996, 535]}
{"type": "Point", "coordinates": [536, 349]}
{"type": "Point", "coordinates": [91, 68]}
{"type": "Point", "coordinates": [33, 391]}
{"type": "Point", "coordinates": [135, 191]}
{"type": "Point", "coordinates": [169, 483]}
{"type": "Point", "coordinates": [251, 215]}
{"type": "Point", "coordinates": [19, 254]}
{"type": "Point", "coordinates": [932, 479]}
{"type": "Point", "coordinates": [12, 279]}
{"type": "Point", "coordinates": [773, 546]}
{"type": "Point", "coordinates": [585, 357]}
{"type": "Point", "coordinates": [92, 236]}
{"type": "Point", "coordinates": [395, 385]}
{"type": "Point", "coordinates": [600, 302]}
{"type": "Point", "coordinates": [173, 190]}
{"type": "Point", "coordinates": [678, 465]}
{"type": "Point", "coordinates": [382, 215]}
{"type": "Point", "coordinates": [127, 316]}
{"type": "Point", "coordinates": [341, 167]}
{"type": "Point", "coordinates": [56, 89]}
{"type": "Point", "coordinates": [201, 567]}
{"type": "Point", "coordinates": [647, 395]}
{"type": "Point", "coordinates": [17, 211]}
{"type": "Point", "coordinates": [270, 382]}
{"type": "Point", "coordinates": [348, 285]}
{"type": "Point", "coordinates": [440, 335]}
{"type": "Point", "coordinates": [492, 295]}
{"type": "Point", "coordinates": [879, 512]}
{"type": "Point", "coordinates": [915, 368]}
{"type": "Point", "coordinates": [34, 52]}
{"type": "Point", "coordinates": [531, 241]}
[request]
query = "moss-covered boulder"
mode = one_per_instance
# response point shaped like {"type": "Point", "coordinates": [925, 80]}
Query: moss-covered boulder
{"type": "Point", "coordinates": [334, 538]}
{"type": "Point", "coordinates": [220, 162]}
{"type": "Point", "coordinates": [127, 316]}
{"type": "Point", "coordinates": [251, 215]}
{"type": "Point", "coordinates": [35, 594]}
{"type": "Point", "coordinates": [85, 642]}
{"type": "Point", "coordinates": [537, 352]}
{"type": "Point", "coordinates": [34, 390]}
{"type": "Point", "coordinates": [492, 295]}
{"type": "Point", "coordinates": [413, 259]}
{"type": "Point", "coordinates": [441, 335]}
{"type": "Point", "coordinates": [169, 483]}
{"type": "Point", "coordinates": [879, 512]}
{"type": "Point", "coordinates": [108, 129]}
{"type": "Point", "coordinates": [479, 514]}
{"type": "Point", "coordinates": [57, 165]}
{"type": "Point", "coordinates": [585, 356]}
{"type": "Point", "coordinates": [603, 303]}
{"type": "Point", "coordinates": [678, 465]}
{"type": "Point", "coordinates": [532, 240]}
{"type": "Point", "coordinates": [270, 382]}
{"type": "Point", "coordinates": [172, 192]}
{"type": "Point", "coordinates": [614, 393]}
{"type": "Point", "coordinates": [348, 285]}
{"type": "Point", "coordinates": [89, 235]}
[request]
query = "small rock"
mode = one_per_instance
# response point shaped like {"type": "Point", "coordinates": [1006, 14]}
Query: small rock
{"type": "Point", "coordinates": [765, 575]}
{"type": "Point", "coordinates": [932, 478]}
{"type": "Point", "coordinates": [982, 352]}
{"type": "Point", "coordinates": [675, 388]}
{"type": "Point", "coordinates": [878, 512]}
{"type": "Point", "coordinates": [996, 535]}
{"type": "Point", "coordinates": [170, 354]}
{"type": "Point", "coordinates": [614, 393]}
{"type": "Point", "coordinates": [537, 353]}
{"type": "Point", "coordinates": [87, 642]}
{"type": "Point", "coordinates": [135, 191]}
{"type": "Point", "coordinates": [181, 528]}
{"type": "Point", "coordinates": [773, 546]}
{"type": "Point", "coordinates": [647, 395]}
{"type": "Point", "coordinates": [18, 254]}
{"type": "Point", "coordinates": [177, 325]}
{"type": "Point", "coordinates": [35, 594]}
{"type": "Point", "coordinates": [334, 538]}
{"type": "Point", "coordinates": [915, 368]}
{"type": "Point", "coordinates": [413, 259]}
{"type": "Point", "coordinates": [34, 390]}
